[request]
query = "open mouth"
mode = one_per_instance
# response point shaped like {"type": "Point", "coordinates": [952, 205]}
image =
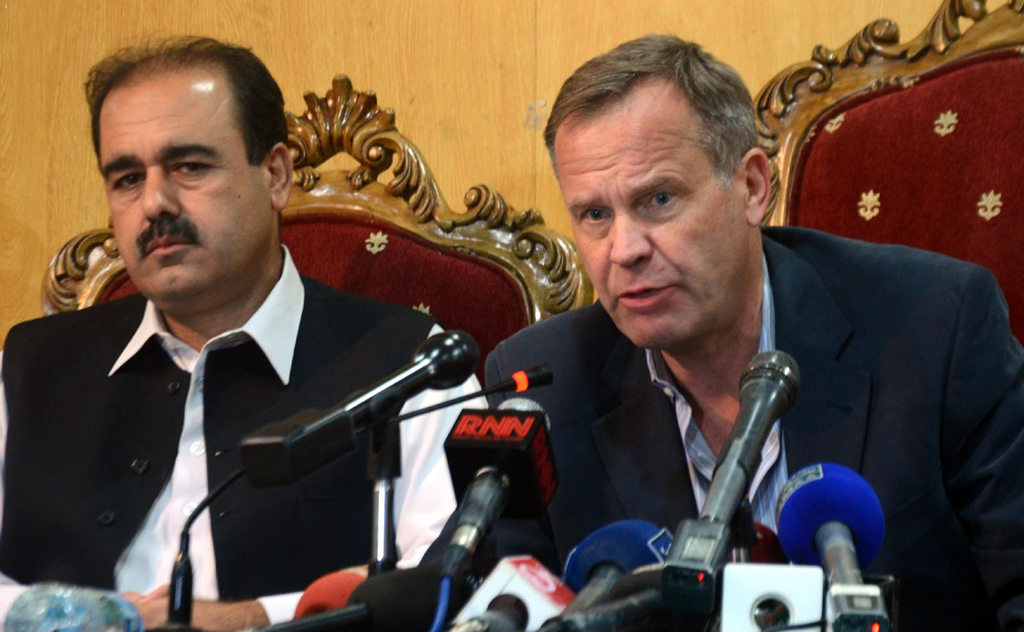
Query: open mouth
{"type": "Point", "coordinates": [643, 298]}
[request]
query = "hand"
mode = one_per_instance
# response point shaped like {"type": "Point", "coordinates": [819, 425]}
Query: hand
{"type": "Point", "coordinates": [216, 616]}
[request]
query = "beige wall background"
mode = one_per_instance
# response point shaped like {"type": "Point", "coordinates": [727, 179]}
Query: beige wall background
{"type": "Point", "coordinates": [471, 83]}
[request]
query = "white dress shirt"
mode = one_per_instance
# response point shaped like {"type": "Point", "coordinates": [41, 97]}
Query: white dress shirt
{"type": "Point", "coordinates": [771, 475]}
{"type": "Point", "coordinates": [423, 495]}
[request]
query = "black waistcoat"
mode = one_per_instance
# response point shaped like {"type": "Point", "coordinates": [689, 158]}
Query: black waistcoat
{"type": "Point", "coordinates": [88, 454]}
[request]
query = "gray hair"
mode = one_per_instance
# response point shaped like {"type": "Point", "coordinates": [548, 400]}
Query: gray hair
{"type": "Point", "coordinates": [714, 90]}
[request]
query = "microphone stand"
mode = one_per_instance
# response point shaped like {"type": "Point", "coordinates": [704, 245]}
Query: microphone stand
{"type": "Point", "coordinates": [384, 462]}
{"type": "Point", "coordinates": [179, 606]}
{"type": "Point", "coordinates": [383, 466]}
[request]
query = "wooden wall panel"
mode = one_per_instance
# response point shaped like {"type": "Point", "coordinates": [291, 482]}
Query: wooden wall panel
{"type": "Point", "coordinates": [471, 82]}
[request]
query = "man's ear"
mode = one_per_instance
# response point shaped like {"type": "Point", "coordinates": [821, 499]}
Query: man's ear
{"type": "Point", "coordinates": [278, 167]}
{"type": "Point", "coordinates": [755, 174]}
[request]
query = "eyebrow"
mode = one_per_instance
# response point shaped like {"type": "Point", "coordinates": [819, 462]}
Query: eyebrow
{"type": "Point", "coordinates": [167, 154]}
{"type": "Point", "coordinates": [658, 184]}
{"type": "Point", "coordinates": [121, 163]}
{"type": "Point", "coordinates": [646, 189]}
{"type": "Point", "coordinates": [177, 152]}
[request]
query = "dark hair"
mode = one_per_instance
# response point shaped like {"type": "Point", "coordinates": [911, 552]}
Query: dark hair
{"type": "Point", "coordinates": [714, 90]}
{"type": "Point", "coordinates": [259, 106]}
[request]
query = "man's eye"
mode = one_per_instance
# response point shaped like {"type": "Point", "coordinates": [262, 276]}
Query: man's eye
{"type": "Point", "coordinates": [661, 198]}
{"type": "Point", "coordinates": [127, 180]}
{"type": "Point", "coordinates": [593, 215]}
{"type": "Point", "coordinates": [192, 167]}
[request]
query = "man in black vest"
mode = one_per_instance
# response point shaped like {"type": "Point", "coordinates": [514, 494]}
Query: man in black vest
{"type": "Point", "coordinates": [119, 418]}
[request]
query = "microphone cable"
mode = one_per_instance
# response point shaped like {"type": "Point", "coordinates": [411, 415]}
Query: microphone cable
{"type": "Point", "coordinates": [443, 596]}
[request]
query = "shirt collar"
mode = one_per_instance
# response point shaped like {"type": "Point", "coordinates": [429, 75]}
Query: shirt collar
{"type": "Point", "coordinates": [274, 326]}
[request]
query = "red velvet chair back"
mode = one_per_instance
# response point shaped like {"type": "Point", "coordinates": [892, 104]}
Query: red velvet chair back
{"type": "Point", "coordinates": [490, 270]}
{"type": "Point", "coordinates": [916, 143]}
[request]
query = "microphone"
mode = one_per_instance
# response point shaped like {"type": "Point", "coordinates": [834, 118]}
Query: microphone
{"type": "Point", "coordinates": [179, 602]}
{"type": "Point", "coordinates": [520, 382]}
{"type": "Point", "coordinates": [701, 547]}
{"type": "Point", "coordinates": [600, 559]}
{"type": "Point", "coordinates": [329, 592]}
{"type": "Point", "coordinates": [283, 452]}
{"type": "Point", "coordinates": [400, 600]}
{"type": "Point", "coordinates": [480, 509]}
{"type": "Point", "coordinates": [515, 439]}
{"type": "Point", "coordinates": [505, 613]}
{"type": "Point", "coordinates": [507, 444]}
{"type": "Point", "coordinates": [404, 599]}
{"type": "Point", "coordinates": [635, 602]}
{"type": "Point", "coordinates": [643, 610]}
{"type": "Point", "coordinates": [767, 550]}
{"type": "Point", "coordinates": [525, 579]}
{"type": "Point", "coordinates": [829, 515]}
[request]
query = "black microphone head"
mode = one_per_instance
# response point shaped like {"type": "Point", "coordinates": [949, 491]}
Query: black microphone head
{"type": "Point", "coordinates": [539, 376]}
{"type": "Point", "coordinates": [513, 611]}
{"type": "Point", "coordinates": [406, 599]}
{"type": "Point", "coordinates": [453, 354]}
{"type": "Point", "coordinates": [778, 367]}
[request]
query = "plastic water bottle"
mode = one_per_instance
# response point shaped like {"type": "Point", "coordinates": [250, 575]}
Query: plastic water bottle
{"type": "Point", "coordinates": [62, 608]}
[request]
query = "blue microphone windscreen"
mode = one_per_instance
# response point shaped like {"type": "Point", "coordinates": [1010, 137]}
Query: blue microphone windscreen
{"type": "Point", "coordinates": [629, 544]}
{"type": "Point", "coordinates": [828, 492]}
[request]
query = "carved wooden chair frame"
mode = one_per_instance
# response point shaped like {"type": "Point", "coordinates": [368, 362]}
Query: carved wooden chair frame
{"type": "Point", "coordinates": [791, 106]}
{"type": "Point", "coordinates": [545, 263]}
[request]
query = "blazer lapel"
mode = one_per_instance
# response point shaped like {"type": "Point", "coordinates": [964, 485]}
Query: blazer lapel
{"type": "Point", "coordinates": [829, 420]}
{"type": "Point", "coordinates": [640, 445]}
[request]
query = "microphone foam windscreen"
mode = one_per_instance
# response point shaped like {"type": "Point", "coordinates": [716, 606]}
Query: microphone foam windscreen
{"type": "Point", "coordinates": [828, 492]}
{"type": "Point", "coordinates": [329, 592]}
{"type": "Point", "coordinates": [406, 599]}
{"type": "Point", "coordinates": [628, 544]}
{"type": "Point", "coordinates": [767, 550]}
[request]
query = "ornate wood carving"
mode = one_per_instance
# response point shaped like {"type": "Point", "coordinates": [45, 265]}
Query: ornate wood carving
{"type": "Point", "coordinates": [80, 272]}
{"type": "Point", "coordinates": [545, 263]}
{"type": "Point", "coordinates": [791, 104]}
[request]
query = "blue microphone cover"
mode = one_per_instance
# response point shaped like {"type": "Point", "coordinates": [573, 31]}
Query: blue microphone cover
{"type": "Point", "coordinates": [629, 544]}
{"type": "Point", "coordinates": [828, 492]}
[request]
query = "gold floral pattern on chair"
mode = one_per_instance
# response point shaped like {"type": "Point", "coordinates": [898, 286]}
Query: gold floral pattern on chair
{"type": "Point", "coordinates": [869, 205]}
{"type": "Point", "coordinates": [376, 242]}
{"type": "Point", "coordinates": [835, 123]}
{"type": "Point", "coordinates": [422, 307]}
{"type": "Point", "coordinates": [873, 59]}
{"type": "Point", "coordinates": [990, 205]}
{"type": "Point", "coordinates": [946, 123]}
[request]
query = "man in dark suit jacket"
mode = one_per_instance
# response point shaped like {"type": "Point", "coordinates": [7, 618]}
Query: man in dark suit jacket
{"type": "Point", "coordinates": [910, 374]}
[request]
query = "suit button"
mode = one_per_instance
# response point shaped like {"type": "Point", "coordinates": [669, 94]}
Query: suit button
{"type": "Point", "coordinates": [106, 518]}
{"type": "Point", "coordinates": [139, 466]}
{"type": "Point", "coordinates": [173, 387]}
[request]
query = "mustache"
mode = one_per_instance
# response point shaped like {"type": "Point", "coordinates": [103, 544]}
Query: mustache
{"type": "Point", "coordinates": [179, 227]}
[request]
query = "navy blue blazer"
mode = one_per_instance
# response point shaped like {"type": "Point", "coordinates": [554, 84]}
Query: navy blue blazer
{"type": "Point", "coordinates": [909, 374]}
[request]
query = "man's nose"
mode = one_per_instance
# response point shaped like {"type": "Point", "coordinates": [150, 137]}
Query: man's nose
{"type": "Point", "coordinates": [630, 241]}
{"type": "Point", "coordinates": [158, 197]}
